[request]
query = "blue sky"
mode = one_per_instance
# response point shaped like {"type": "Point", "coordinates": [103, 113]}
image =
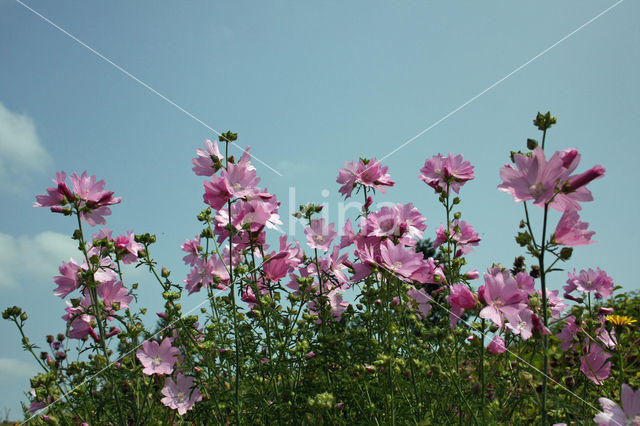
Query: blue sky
{"type": "Point", "coordinates": [308, 87]}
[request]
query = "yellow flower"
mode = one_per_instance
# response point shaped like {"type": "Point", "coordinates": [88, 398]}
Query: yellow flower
{"type": "Point", "coordinates": [621, 320]}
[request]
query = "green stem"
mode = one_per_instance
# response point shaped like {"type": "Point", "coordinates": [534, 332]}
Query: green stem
{"type": "Point", "coordinates": [482, 378]}
{"type": "Point", "coordinates": [545, 337]}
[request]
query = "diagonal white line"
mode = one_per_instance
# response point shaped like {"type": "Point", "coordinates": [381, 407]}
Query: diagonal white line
{"type": "Point", "coordinates": [407, 142]}
{"type": "Point", "coordinates": [142, 83]}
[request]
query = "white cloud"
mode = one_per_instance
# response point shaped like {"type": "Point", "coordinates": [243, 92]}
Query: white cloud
{"type": "Point", "coordinates": [24, 259]}
{"type": "Point", "coordinates": [11, 367]}
{"type": "Point", "coordinates": [21, 152]}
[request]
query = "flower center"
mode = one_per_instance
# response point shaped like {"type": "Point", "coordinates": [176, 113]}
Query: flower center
{"type": "Point", "coordinates": [536, 189]}
{"type": "Point", "coordinates": [156, 361]}
{"type": "Point", "coordinates": [318, 238]}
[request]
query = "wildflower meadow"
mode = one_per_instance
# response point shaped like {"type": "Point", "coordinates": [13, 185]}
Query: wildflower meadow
{"type": "Point", "coordinates": [380, 321]}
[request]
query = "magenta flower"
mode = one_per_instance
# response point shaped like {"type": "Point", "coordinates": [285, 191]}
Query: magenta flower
{"type": "Point", "coordinates": [319, 235]}
{"type": "Point", "coordinates": [460, 298]}
{"type": "Point", "coordinates": [204, 165]}
{"type": "Point", "coordinates": [180, 395]}
{"type": "Point", "coordinates": [535, 178]}
{"type": "Point", "coordinates": [68, 281]}
{"type": "Point", "coordinates": [502, 296]}
{"type": "Point", "coordinates": [597, 282]}
{"type": "Point", "coordinates": [497, 345]}
{"type": "Point", "coordinates": [595, 365]}
{"type": "Point", "coordinates": [613, 415]}
{"type": "Point", "coordinates": [157, 358]}
{"type": "Point", "coordinates": [571, 232]}
{"type": "Point", "coordinates": [446, 173]}
{"type": "Point", "coordinates": [578, 181]}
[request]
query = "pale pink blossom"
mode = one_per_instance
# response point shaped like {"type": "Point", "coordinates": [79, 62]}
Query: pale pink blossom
{"type": "Point", "coordinates": [114, 294]}
{"type": "Point", "coordinates": [594, 364]}
{"type": "Point", "coordinates": [68, 281]}
{"type": "Point", "coordinates": [502, 297]}
{"type": "Point", "coordinates": [192, 248]}
{"type": "Point", "coordinates": [157, 358]}
{"type": "Point", "coordinates": [180, 395]}
{"type": "Point", "coordinates": [613, 415]}
{"type": "Point", "coordinates": [368, 173]}
{"type": "Point", "coordinates": [534, 179]}
{"type": "Point", "coordinates": [128, 247]}
{"type": "Point", "coordinates": [590, 281]}
{"type": "Point", "coordinates": [203, 164]}
{"type": "Point", "coordinates": [446, 173]}
{"type": "Point", "coordinates": [319, 235]}
{"type": "Point", "coordinates": [571, 232]}
{"type": "Point", "coordinates": [420, 300]}
{"type": "Point", "coordinates": [569, 334]}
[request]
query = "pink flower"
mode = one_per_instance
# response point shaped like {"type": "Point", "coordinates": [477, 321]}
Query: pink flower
{"type": "Point", "coordinates": [348, 236]}
{"type": "Point", "coordinates": [497, 345]}
{"type": "Point", "coordinates": [204, 164]}
{"type": "Point", "coordinates": [420, 300]}
{"type": "Point", "coordinates": [68, 281]}
{"type": "Point", "coordinates": [461, 233]}
{"type": "Point", "coordinates": [128, 247]}
{"type": "Point", "coordinates": [89, 194]}
{"type": "Point", "coordinates": [502, 296]}
{"type": "Point", "coordinates": [613, 415]}
{"type": "Point", "coordinates": [320, 236]}
{"type": "Point", "coordinates": [114, 294]}
{"type": "Point", "coordinates": [446, 173]}
{"type": "Point", "coordinates": [277, 265]}
{"type": "Point", "coordinates": [535, 179]}
{"type": "Point", "coordinates": [399, 260]}
{"type": "Point", "coordinates": [569, 334]}
{"type": "Point", "coordinates": [157, 358]}
{"type": "Point", "coordinates": [192, 247]}
{"type": "Point", "coordinates": [571, 232]}
{"type": "Point", "coordinates": [348, 176]}
{"type": "Point", "coordinates": [368, 173]}
{"type": "Point", "coordinates": [595, 365]}
{"type": "Point", "coordinates": [56, 195]}
{"type": "Point", "coordinates": [207, 273]}
{"type": "Point", "coordinates": [597, 282]}
{"type": "Point", "coordinates": [180, 395]}
{"type": "Point", "coordinates": [525, 282]}
{"type": "Point", "coordinates": [373, 174]}
{"type": "Point", "coordinates": [460, 298]}
{"type": "Point", "coordinates": [237, 180]}
{"type": "Point", "coordinates": [337, 304]}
